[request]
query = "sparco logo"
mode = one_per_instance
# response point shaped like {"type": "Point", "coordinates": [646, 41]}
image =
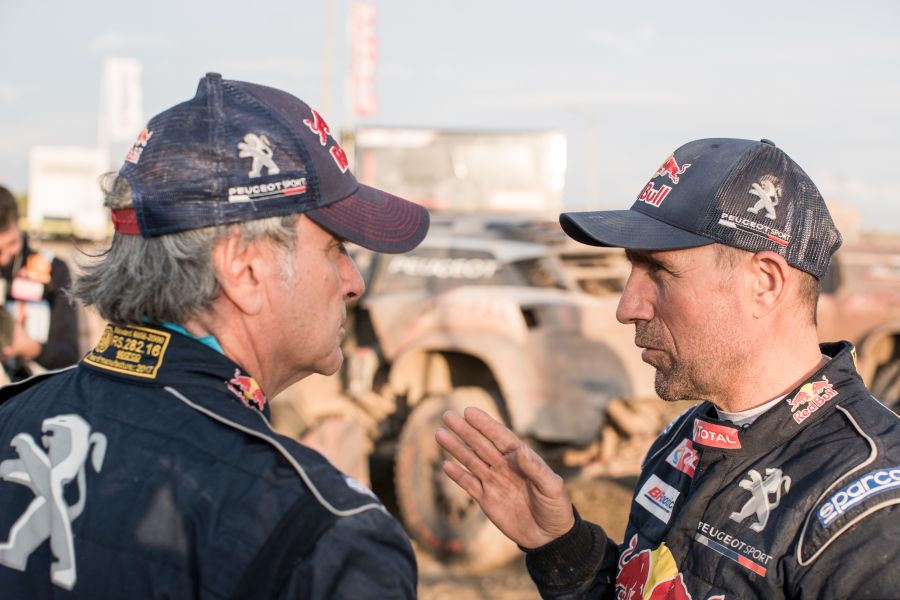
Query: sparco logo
{"type": "Point", "coordinates": [863, 488]}
{"type": "Point", "coordinates": [760, 489]}
{"type": "Point", "coordinates": [68, 439]}
{"type": "Point", "coordinates": [717, 436]}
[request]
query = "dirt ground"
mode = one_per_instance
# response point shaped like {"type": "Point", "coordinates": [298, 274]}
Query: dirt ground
{"type": "Point", "coordinates": [603, 501]}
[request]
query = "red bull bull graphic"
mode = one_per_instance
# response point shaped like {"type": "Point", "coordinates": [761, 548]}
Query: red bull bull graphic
{"type": "Point", "coordinates": [670, 169]}
{"type": "Point", "coordinates": [810, 398]}
{"type": "Point", "coordinates": [653, 196]}
{"type": "Point", "coordinates": [318, 126]}
{"type": "Point", "coordinates": [134, 154]}
{"type": "Point", "coordinates": [649, 575]}
{"type": "Point", "coordinates": [684, 457]}
{"type": "Point", "coordinates": [716, 436]}
{"type": "Point", "coordinates": [247, 390]}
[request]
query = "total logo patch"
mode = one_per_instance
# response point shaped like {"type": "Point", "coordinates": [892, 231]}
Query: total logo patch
{"type": "Point", "coordinates": [860, 490]}
{"type": "Point", "coordinates": [717, 436]}
{"type": "Point", "coordinates": [684, 457]}
{"type": "Point", "coordinates": [658, 497]}
{"type": "Point", "coordinates": [811, 397]}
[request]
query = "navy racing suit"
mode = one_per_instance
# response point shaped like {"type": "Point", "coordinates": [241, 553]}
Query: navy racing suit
{"type": "Point", "coordinates": [801, 503]}
{"type": "Point", "coordinates": [149, 470]}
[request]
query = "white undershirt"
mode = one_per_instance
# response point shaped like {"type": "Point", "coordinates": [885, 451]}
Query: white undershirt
{"type": "Point", "coordinates": [745, 417]}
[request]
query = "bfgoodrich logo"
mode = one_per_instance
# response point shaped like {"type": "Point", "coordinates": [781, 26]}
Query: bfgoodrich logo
{"type": "Point", "coordinates": [863, 488]}
{"type": "Point", "coordinates": [658, 497]}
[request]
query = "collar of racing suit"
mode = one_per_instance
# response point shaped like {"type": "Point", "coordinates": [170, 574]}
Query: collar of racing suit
{"type": "Point", "coordinates": [809, 402]}
{"type": "Point", "coordinates": [157, 356]}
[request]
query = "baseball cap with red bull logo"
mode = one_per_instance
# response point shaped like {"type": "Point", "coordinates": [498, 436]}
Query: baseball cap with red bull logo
{"type": "Point", "coordinates": [741, 193]}
{"type": "Point", "coordinates": [240, 151]}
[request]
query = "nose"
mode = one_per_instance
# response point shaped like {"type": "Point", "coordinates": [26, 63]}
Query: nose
{"type": "Point", "coordinates": [354, 286]}
{"type": "Point", "coordinates": [636, 303]}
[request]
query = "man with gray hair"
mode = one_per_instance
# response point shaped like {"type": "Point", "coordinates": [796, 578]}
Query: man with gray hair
{"type": "Point", "coordinates": [150, 470]}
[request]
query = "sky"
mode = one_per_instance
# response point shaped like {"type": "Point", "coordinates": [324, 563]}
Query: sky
{"type": "Point", "coordinates": [626, 82]}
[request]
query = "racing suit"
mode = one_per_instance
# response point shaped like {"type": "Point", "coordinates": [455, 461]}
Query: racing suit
{"type": "Point", "coordinates": [149, 470]}
{"type": "Point", "coordinates": [802, 503]}
{"type": "Point", "coordinates": [35, 283]}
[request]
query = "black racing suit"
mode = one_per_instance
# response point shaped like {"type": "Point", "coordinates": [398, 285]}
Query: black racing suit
{"type": "Point", "coordinates": [149, 470]}
{"type": "Point", "coordinates": [802, 503]}
{"type": "Point", "coordinates": [39, 296]}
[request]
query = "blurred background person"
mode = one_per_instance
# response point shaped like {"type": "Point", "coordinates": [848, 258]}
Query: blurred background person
{"type": "Point", "coordinates": [38, 323]}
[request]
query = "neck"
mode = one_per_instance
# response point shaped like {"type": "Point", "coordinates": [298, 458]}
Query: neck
{"type": "Point", "coordinates": [241, 343]}
{"type": "Point", "coordinates": [774, 366]}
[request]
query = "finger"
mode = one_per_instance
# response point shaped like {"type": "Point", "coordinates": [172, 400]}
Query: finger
{"type": "Point", "coordinates": [501, 437]}
{"type": "Point", "coordinates": [546, 481]}
{"type": "Point", "coordinates": [462, 453]}
{"type": "Point", "coordinates": [483, 446]}
{"type": "Point", "coordinates": [464, 479]}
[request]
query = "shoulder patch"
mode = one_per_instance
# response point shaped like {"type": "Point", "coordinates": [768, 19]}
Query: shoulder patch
{"type": "Point", "coordinates": [668, 434]}
{"type": "Point", "coordinates": [857, 498]}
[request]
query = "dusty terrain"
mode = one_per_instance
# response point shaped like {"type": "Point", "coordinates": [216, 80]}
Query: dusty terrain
{"type": "Point", "coordinates": [600, 500]}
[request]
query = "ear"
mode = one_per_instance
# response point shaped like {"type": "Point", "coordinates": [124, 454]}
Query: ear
{"type": "Point", "coordinates": [771, 275]}
{"type": "Point", "coordinates": [239, 269]}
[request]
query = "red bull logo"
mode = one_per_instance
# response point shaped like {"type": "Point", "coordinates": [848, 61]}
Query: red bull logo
{"type": "Point", "coordinates": [318, 126]}
{"type": "Point", "coordinates": [670, 169]}
{"type": "Point", "coordinates": [810, 398]}
{"type": "Point", "coordinates": [652, 195]}
{"type": "Point", "coordinates": [138, 147]}
{"type": "Point", "coordinates": [340, 158]}
{"type": "Point", "coordinates": [247, 390]}
{"type": "Point", "coordinates": [649, 575]}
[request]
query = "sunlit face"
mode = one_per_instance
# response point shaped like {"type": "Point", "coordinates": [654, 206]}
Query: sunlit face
{"type": "Point", "coordinates": [10, 244]}
{"type": "Point", "coordinates": [688, 319]}
{"type": "Point", "coordinates": [309, 302]}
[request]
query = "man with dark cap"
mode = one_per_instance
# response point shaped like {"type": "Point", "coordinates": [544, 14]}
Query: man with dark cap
{"type": "Point", "coordinates": [40, 323]}
{"type": "Point", "coordinates": [784, 481]}
{"type": "Point", "coordinates": [150, 470]}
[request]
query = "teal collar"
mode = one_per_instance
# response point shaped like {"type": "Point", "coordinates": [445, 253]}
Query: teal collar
{"type": "Point", "coordinates": [209, 340]}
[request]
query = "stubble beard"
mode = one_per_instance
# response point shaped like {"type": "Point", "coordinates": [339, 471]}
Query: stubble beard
{"type": "Point", "coordinates": [681, 377]}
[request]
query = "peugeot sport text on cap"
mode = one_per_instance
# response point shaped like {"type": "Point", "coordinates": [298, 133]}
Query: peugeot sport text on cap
{"type": "Point", "coordinates": [239, 151]}
{"type": "Point", "coordinates": [741, 193]}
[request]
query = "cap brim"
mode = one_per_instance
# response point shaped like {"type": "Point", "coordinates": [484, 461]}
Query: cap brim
{"type": "Point", "coordinates": [627, 229]}
{"type": "Point", "coordinates": [375, 220]}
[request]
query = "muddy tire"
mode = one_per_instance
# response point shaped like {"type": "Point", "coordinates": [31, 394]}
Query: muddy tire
{"type": "Point", "coordinates": [886, 385]}
{"type": "Point", "coordinates": [440, 517]}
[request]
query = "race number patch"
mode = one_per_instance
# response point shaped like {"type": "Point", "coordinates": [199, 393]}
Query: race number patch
{"type": "Point", "coordinates": [130, 350]}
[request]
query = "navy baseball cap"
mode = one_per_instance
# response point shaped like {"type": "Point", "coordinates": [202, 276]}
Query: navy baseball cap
{"type": "Point", "coordinates": [239, 151]}
{"type": "Point", "coordinates": [741, 193]}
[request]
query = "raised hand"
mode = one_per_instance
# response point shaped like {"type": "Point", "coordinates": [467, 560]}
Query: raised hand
{"type": "Point", "coordinates": [515, 488]}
